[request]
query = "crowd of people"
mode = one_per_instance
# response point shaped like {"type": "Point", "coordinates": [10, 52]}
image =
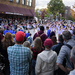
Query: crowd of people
{"type": "Point", "coordinates": [42, 54]}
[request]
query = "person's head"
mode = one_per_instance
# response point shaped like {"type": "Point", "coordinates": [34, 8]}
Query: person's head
{"type": "Point", "coordinates": [19, 37]}
{"type": "Point", "coordinates": [74, 31]}
{"type": "Point", "coordinates": [66, 35]}
{"type": "Point", "coordinates": [26, 44]}
{"type": "Point", "coordinates": [54, 40]}
{"type": "Point", "coordinates": [30, 34]}
{"type": "Point", "coordinates": [38, 43]}
{"type": "Point", "coordinates": [52, 34]}
{"type": "Point", "coordinates": [72, 57]}
{"type": "Point", "coordinates": [60, 39]}
{"type": "Point", "coordinates": [47, 27]}
{"type": "Point", "coordinates": [8, 37]}
{"type": "Point", "coordinates": [7, 40]}
{"type": "Point", "coordinates": [42, 28]}
{"type": "Point", "coordinates": [48, 43]}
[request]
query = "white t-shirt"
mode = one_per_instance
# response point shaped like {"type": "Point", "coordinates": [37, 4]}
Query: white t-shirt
{"type": "Point", "coordinates": [72, 72]}
{"type": "Point", "coordinates": [38, 28]}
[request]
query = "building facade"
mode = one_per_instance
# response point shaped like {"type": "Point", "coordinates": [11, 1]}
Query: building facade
{"type": "Point", "coordinates": [17, 8]}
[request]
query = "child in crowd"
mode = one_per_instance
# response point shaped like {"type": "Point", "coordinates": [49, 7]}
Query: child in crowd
{"type": "Point", "coordinates": [30, 39]}
{"type": "Point", "coordinates": [27, 44]}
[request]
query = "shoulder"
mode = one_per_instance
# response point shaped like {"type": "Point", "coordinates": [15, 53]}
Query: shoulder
{"type": "Point", "coordinates": [54, 53]}
{"type": "Point", "coordinates": [71, 42]}
{"type": "Point", "coordinates": [72, 72]}
{"type": "Point", "coordinates": [53, 47]}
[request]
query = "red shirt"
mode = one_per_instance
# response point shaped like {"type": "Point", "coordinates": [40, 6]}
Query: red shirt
{"type": "Point", "coordinates": [35, 53]}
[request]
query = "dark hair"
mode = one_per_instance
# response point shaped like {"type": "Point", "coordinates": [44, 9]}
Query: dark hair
{"type": "Point", "coordinates": [74, 31]}
{"type": "Point", "coordinates": [48, 47]}
{"type": "Point", "coordinates": [60, 38]}
{"type": "Point", "coordinates": [52, 34]}
{"type": "Point", "coordinates": [47, 27]}
{"type": "Point", "coordinates": [42, 28]}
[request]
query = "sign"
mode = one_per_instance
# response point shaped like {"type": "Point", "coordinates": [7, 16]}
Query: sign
{"type": "Point", "coordinates": [13, 13]}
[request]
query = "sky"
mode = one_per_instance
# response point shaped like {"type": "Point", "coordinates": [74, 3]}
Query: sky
{"type": "Point", "coordinates": [43, 3]}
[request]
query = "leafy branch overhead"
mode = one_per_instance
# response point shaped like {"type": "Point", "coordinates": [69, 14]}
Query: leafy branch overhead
{"type": "Point", "coordinates": [56, 6]}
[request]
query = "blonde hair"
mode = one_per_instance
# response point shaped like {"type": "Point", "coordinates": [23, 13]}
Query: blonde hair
{"type": "Point", "coordinates": [13, 35]}
{"type": "Point", "coordinates": [37, 43]}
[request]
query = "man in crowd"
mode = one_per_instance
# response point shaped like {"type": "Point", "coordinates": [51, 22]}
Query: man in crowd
{"type": "Point", "coordinates": [41, 34]}
{"type": "Point", "coordinates": [58, 46]}
{"type": "Point", "coordinates": [65, 52]}
{"type": "Point", "coordinates": [19, 56]}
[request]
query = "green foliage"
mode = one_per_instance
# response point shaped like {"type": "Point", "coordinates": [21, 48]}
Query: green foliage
{"type": "Point", "coordinates": [56, 6]}
{"type": "Point", "coordinates": [62, 18]}
{"type": "Point", "coordinates": [71, 18]}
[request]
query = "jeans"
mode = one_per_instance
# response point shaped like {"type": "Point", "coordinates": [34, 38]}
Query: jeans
{"type": "Point", "coordinates": [33, 66]}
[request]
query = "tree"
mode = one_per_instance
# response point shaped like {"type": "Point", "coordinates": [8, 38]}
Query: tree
{"type": "Point", "coordinates": [56, 6]}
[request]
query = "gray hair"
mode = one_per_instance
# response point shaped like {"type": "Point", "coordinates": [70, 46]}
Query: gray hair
{"type": "Point", "coordinates": [26, 44]}
{"type": "Point", "coordinates": [66, 35]}
{"type": "Point", "coordinates": [73, 54]}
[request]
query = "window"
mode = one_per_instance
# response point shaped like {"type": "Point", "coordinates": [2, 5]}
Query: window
{"type": "Point", "coordinates": [10, 0]}
{"type": "Point", "coordinates": [17, 1]}
{"type": "Point", "coordinates": [29, 2]}
{"type": "Point", "coordinates": [23, 2]}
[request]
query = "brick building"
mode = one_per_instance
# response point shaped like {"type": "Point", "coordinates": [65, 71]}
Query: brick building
{"type": "Point", "coordinates": [17, 8]}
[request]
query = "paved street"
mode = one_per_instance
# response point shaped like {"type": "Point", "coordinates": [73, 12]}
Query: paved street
{"type": "Point", "coordinates": [32, 32]}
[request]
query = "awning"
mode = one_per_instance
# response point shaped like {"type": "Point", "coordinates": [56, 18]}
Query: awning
{"type": "Point", "coordinates": [7, 9]}
{"type": "Point", "coordinates": [32, 11]}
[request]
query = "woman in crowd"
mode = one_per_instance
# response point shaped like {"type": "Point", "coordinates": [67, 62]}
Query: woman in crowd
{"type": "Point", "coordinates": [46, 60]}
{"type": "Point", "coordinates": [36, 50]}
{"type": "Point", "coordinates": [6, 42]}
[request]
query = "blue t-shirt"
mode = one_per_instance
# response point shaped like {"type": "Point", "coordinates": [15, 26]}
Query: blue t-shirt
{"type": "Point", "coordinates": [48, 32]}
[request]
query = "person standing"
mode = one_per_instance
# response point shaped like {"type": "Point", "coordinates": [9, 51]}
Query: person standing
{"type": "Point", "coordinates": [36, 50]}
{"type": "Point", "coordinates": [65, 53]}
{"type": "Point", "coordinates": [19, 56]}
{"type": "Point", "coordinates": [46, 60]}
{"type": "Point", "coordinates": [40, 34]}
{"type": "Point", "coordinates": [6, 42]}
